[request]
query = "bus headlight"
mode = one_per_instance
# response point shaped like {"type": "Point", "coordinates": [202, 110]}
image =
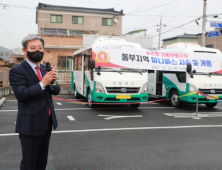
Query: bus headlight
{"type": "Point", "coordinates": [144, 88]}
{"type": "Point", "coordinates": [192, 88]}
{"type": "Point", "coordinates": [99, 88]}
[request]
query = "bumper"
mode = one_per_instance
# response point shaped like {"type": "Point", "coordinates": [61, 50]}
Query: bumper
{"type": "Point", "coordinates": [193, 99]}
{"type": "Point", "coordinates": [111, 98]}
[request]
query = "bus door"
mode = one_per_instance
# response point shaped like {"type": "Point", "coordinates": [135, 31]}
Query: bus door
{"type": "Point", "coordinates": [79, 73]}
{"type": "Point", "coordinates": [86, 74]}
{"type": "Point", "coordinates": [152, 82]}
{"type": "Point", "coordinates": [159, 82]}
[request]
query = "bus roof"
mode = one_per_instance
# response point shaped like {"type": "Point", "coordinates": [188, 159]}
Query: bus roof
{"type": "Point", "coordinates": [185, 47]}
{"type": "Point", "coordinates": [111, 41]}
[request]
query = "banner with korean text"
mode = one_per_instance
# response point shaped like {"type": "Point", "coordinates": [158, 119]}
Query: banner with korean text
{"type": "Point", "coordinates": [128, 57]}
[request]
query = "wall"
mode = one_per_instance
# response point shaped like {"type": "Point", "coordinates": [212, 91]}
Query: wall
{"type": "Point", "coordinates": [92, 22]}
{"type": "Point", "coordinates": [56, 46]}
{"type": "Point", "coordinates": [215, 41]}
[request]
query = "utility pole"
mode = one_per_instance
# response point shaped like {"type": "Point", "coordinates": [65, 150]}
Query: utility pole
{"type": "Point", "coordinates": [160, 26]}
{"type": "Point", "coordinates": [204, 24]}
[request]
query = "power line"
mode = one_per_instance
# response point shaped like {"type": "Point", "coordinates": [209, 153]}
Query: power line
{"type": "Point", "coordinates": [17, 6]}
{"type": "Point", "coordinates": [153, 7]}
{"type": "Point", "coordinates": [175, 27]}
{"type": "Point", "coordinates": [186, 24]}
{"type": "Point", "coordinates": [19, 20]}
{"type": "Point", "coordinates": [192, 3]}
{"type": "Point", "coordinates": [9, 34]}
{"type": "Point", "coordinates": [192, 16]}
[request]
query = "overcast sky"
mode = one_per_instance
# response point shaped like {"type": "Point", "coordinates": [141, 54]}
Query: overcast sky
{"type": "Point", "coordinates": [17, 17]}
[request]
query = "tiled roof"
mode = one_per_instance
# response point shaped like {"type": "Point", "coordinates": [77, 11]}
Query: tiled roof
{"type": "Point", "coordinates": [109, 11]}
{"type": "Point", "coordinates": [191, 36]}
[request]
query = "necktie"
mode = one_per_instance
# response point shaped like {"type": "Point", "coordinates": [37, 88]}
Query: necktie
{"type": "Point", "coordinates": [40, 79]}
{"type": "Point", "coordinates": [38, 73]}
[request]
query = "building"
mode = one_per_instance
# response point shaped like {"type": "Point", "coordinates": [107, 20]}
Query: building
{"type": "Point", "coordinates": [213, 42]}
{"type": "Point", "coordinates": [186, 38]}
{"type": "Point", "coordinates": [62, 28]}
{"type": "Point", "coordinates": [75, 21]}
{"type": "Point", "coordinates": [17, 58]}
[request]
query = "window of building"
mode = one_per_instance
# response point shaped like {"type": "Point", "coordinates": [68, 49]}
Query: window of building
{"type": "Point", "coordinates": [78, 20]}
{"type": "Point", "coordinates": [56, 18]}
{"type": "Point", "coordinates": [107, 22]}
{"type": "Point", "coordinates": [65, 62]}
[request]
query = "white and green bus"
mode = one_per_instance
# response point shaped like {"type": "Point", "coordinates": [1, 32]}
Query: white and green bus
{"type": "Point", "coordinates": [182, 86]}
{"type": "Point", "coordinates": [100, 81]}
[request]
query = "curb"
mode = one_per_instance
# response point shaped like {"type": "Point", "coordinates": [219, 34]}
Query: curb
{"type": "Point", "coordinates": [2, 101]}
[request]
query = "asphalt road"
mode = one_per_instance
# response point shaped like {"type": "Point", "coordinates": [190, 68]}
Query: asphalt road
{"type": "Point", "coordinates": [153, 137]}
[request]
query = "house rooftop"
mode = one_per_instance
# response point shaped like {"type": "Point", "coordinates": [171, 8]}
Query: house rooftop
{"type": "Point", "coordinates": [108, 11]}
{"type": "Point", "coordinates": [191, 36]}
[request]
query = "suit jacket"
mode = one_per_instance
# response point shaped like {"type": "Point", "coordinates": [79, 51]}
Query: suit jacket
{"type": "Point", "coordinates": [33, 102]}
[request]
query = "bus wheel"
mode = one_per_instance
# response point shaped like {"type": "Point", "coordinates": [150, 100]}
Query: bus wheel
{"type": "Point", "coordinates": [89, 98]}
{"type": "Point", "coordinates": [174, 99]}
{"type": "Point", "coordinates": [135, 106]}
{"type": "Point", "coordinates": [211, 105]}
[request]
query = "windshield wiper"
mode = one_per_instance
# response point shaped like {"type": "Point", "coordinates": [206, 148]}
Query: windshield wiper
{"type": "Point", "coordinates": [117, 71]}
{"type": "Point", "coordinates": [215, 73]}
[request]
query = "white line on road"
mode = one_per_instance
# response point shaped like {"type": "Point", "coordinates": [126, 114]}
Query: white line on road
{"type": "Point", "coordinates": [99, 108]}
{"type": "Point", "coordinates": [125, 129]}
{"type": "Point", "coordinates": [71, 118]}
{"type": "Point", "coordinates": [118, 117]}
{"type": "Point", "coordinates": [58, 103]}
{"type": "Point", "coordinates": [193, 115]}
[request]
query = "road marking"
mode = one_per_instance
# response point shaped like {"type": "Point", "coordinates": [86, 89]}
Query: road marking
{"type": "Point", "coordinates": [71, 118]}
{"type": "Point", "coordinates": [107, 108]}
{"type": "Point", "coordinates": [125, 129]}
{"type": "Point", "coordinates": [193, 115]}
{"type": "Point", "coordinates": [58, 103]}
{"type": "Point", "coordinates": [118, 117]}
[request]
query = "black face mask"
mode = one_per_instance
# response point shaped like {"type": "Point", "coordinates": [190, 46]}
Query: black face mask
{"type": "Point", "coordinates": [35, 56]}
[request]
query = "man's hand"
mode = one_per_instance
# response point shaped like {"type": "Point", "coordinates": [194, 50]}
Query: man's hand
{"type": "Point", "coordinates": [49, 76]}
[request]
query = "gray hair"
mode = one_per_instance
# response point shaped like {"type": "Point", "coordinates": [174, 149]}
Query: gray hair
{"type": "Point", "coordinates": [31, 37]}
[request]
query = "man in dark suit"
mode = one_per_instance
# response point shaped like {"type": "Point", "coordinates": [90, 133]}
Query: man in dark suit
{"type": "Point", "coordinates": [31, 85]}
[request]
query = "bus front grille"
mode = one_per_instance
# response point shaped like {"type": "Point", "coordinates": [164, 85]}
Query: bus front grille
{"type": "Point", "coordinates": [211, 91]}
{"type": "Point", "coordinates": [123, 89]}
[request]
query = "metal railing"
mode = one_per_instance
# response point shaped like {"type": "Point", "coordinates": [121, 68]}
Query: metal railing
{"type": "Point", "coordinates": [4, 77]}
{"type": "Point", "coordinates": [64, 76]}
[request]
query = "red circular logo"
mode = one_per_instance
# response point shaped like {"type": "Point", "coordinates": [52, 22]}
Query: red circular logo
{"type": "Point", "coordinates": [102, 56]}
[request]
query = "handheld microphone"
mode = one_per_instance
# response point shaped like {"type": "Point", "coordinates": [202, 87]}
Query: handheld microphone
{"type": "Point", "coordinates": [49, 68]}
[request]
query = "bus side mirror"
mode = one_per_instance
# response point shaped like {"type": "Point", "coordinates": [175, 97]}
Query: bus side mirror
{"type": "Point", "coordinates": [189, 68]}
{"type": "Point", "coordinates": [92, 64]}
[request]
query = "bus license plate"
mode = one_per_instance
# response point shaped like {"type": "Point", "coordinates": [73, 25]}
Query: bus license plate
{"type": "Point", "coordinates": [215, 97]}
{"type": "Point", "coordinates": [212, 97]}
{"type": "Point", "coordinates": [123, 97]}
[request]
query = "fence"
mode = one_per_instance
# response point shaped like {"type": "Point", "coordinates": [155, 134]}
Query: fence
{"type": "Point", "coordinates": [63, 77]}
{"type": "Point", "coordinates": [4, 77]}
